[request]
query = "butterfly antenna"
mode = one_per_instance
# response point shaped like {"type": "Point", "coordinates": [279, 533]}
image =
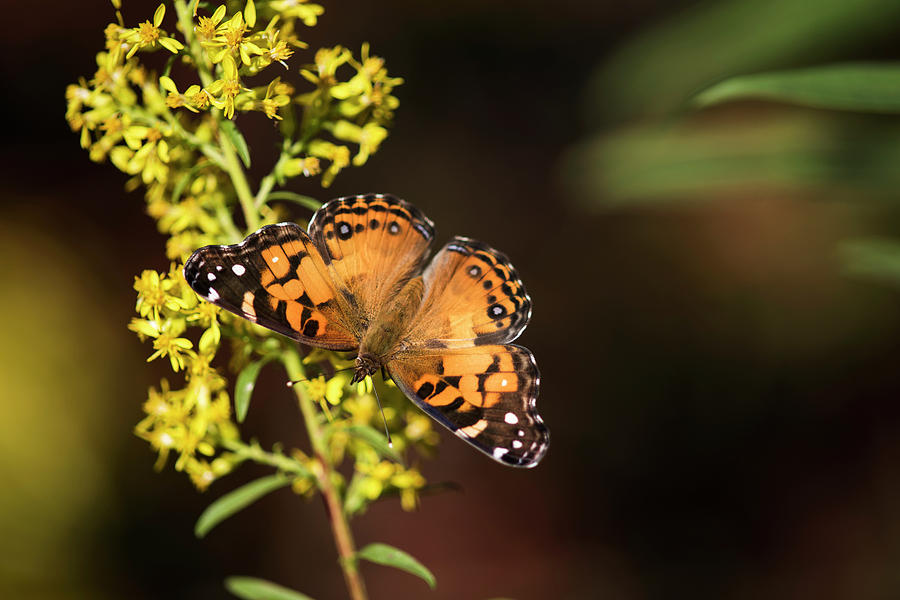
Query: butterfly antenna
{"type": "Point", "coordinates": [296, 381]}
{"type": "Point", "coordinates": [383, 419]}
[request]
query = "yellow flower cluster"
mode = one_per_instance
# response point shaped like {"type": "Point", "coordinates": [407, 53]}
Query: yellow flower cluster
{"type": "Point", "coordinates": [142, 122]}
{"type": "Point", "coordinates": [195, 421]}
{"type": "Point", "coordinates": [181, 146]}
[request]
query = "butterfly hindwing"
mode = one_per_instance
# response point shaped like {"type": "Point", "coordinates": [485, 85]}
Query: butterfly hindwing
{"type": "Point", "coordinates": [275, 278]}
{"type": "Point", "coordinates": [372, 243]}
{"type": "Point", "coordinates": [484, 394]}
{"type": "Point", "coordinates": [473, 295]}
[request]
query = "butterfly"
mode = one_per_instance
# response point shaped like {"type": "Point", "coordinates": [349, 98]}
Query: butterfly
{"type": "Point", "coordinates": [358, 281]}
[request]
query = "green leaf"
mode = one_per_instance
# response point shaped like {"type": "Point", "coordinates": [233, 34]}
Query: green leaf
{"type": "Point", "coordinates": [251, 588]}
{"type": "Point", "coordinates": [243, 388]}
{"type": "Point", "coordinates": [307, 201]}
{"type": "Point", "coordinates": [383, 554]}
{"type": "Point", "coordinates": [237, 140]}
{"type": "Point", "coordinates": [854, 87]}
{"type": "Point", "coordinates": [876, 258]}
{"type": "Point", "coordinates": [185, 179]}
{"type": "Point", "coordinates": [658, 67]}
{"type": "Point", "coordinates": [696, 164]}
{"type": "Point", "coordinates": [237, 500]}
{"type": "Point", "coordinates": [375, 439]}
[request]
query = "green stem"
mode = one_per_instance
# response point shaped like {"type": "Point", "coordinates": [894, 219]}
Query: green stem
{"type": "Point", "coordinates": [239, 180]}
{"type": "Point", "coordinates": [186, 23]}
{"type": "Point", "coordinates": [273, 459]}
{"type": "Point", "coordinates": [265, 186]}
{"type": "Point", "coordinates": [230, 162]}
{"type": "Point", "coordinates": [227, 223]}
{"type": "Point", "coordinates": [340, 526]}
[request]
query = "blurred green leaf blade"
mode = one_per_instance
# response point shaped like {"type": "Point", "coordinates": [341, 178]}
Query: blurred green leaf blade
{"type": "Point", "coordinates": [386, 555]}
{"type": "Point", "coordinates": [853, 87]}
{"type": "Point", "coordinates": [786, 151]}
{"type": "Point", "coordinates": [252, 588]}
{"type": "Point", "coordinates": [661, 67]}
{"type": "Point", "coordinates": [237, 140]}
{"type": "Point", "coordinates": [237, 500]}
{"type": "Point", "coordinates": [289, 196]}
{"type": "Point", "coordinates": [375, 439]}
{"type": "Point", "coordinates": [875, 258]}
{"type": "Point", "coordinates": [243, 388]}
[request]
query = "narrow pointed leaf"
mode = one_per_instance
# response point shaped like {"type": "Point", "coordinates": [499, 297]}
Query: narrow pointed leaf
{"type": "Point", "coordinates": [875, 258]}
{"type": "Point", "coordinates": [236, 500]}
{"type": "Point", "coordinates": [243, 388]}
{"type": "Point", "coordinates": [186, 179]}
{"type": "Point", "coordinates": [251, 588]}
{"type": "Point", "coordinates": [375, 439]}
{"type": "Point", "coordinates": [389, 556]}
{"type": "Point", "coordinates": [237, 140]}
{"type": "Point", "coordinates": [307, 201]}
{"type": "Point", "coordinates": [860, 87]}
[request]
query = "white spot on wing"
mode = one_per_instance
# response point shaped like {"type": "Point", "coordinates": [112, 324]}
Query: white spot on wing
{"type": "Point", "coordinates": [499, 452]}
{"type": "Point", "coordinates": [274, 259]}
{"type": "Point", "coordinates": [238, 269]}
{"type": "Point", "coordinates": [511, 418]}
{"type": "Point", "coordinates": [474, 429]}
{"type": "Point", "coordinates": [503, 383]}
{"type": "Point", "coordinates": [516, 444]}
{"type": "Point", "coordinates": [247, 306]}
{"type": "Point", "coordinates": [210, 276]}
{"type": "Point", "coordinates": [213, 295]}
{"type": "Point", "coordinates": [218, 267]}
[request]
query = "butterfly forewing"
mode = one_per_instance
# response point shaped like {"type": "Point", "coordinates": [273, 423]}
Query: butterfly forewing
{"type": "Point", "coordinates": [276, 278]}
{"type": "Point", "coordinates": [373, 244]}
{"type": "Point", "coordinates": [484, 394]}
{"type": "Point", "coordinates": [473, 295]}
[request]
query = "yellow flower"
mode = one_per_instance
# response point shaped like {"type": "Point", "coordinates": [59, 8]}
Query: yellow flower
{"type": "Point", "coordinates": [222, 92]}
{"type": "Point", "coordinates": [173, 347]}
{"type": "Point", "coordinates": [151, 295]}
{"type": "Point", "coordinates": [338, 155]}
{"type": "Point", "coordinates": [148, 35]}
{"type": "Point", "coordinates": [298, 9]}
{"type": "Point", "coordinates": [369, 137]}
{"type": "Point", "coordinates": [229, 39]}
{"type": "Point", "coordinates": [206, 26]}
{"type": "Point", "coordinates": [295, 166]}
{"type": "Point", "coordinates": [327, 61]}
{"type": "Point", "coordinates": [273, 101]}
{"type": "Point", "coordinates": [201, 473]}
{"type": "Point", "coordinates": [176, 99]}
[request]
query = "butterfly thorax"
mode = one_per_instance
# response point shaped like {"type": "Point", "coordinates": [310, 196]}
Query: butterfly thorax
{"type": "Point", "coordinates": [384, 335]}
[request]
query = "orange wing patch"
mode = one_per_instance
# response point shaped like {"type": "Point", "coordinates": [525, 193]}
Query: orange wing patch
{"type": "Point", "coordinates": [484, 394]}
{"type": "Point", "coordinates": [473, 295]}
{"type": "Point", "coordinates": [372, 244]}
{"type": "Point", "coordinates": [276, 278]}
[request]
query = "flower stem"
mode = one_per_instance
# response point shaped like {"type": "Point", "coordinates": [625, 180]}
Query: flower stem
{"type": "Point", "coordinates": [231, 165]}
{"type": "Point", "coordinates": [239, 180]}
{"type": "Point", "coordinates": [273, 459]}
{"type": "Point", "coordinates": [340, 526]}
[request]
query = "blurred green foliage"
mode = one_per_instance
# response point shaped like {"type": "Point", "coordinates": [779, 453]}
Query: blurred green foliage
{"type": "Point", "coordinates": [679, 117]}
{"type": "Point", "coordinates": [54, 442]}
{"type": "Point", "coordinates": [658, 70]}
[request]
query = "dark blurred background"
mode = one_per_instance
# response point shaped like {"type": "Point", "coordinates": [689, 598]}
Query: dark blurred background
{"type": "Point", "coordinates": [722, 395]}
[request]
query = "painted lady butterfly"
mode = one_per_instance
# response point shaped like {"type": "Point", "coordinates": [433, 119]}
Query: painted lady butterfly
{"type": "Point", "coordinates": [358, 282]}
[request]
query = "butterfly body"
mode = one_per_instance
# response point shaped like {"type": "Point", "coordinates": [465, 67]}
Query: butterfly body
{"type": "Point", "coordinates": [357, 281]}
{"type": "Point", "coordinates": [384, 335]}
